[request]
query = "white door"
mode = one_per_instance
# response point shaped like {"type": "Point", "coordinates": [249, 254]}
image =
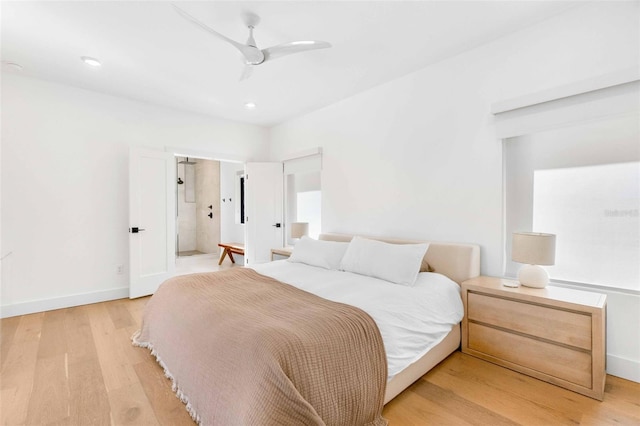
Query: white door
{"type": "Point", "coordinates": [152, 175]}
{"type": "Point", "coordinates": [263, 204]}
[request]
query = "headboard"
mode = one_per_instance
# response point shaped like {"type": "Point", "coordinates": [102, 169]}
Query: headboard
{"type": "Point", "coordinates": [459, 262]}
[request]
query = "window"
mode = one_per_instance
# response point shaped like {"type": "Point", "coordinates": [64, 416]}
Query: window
{"type": "Point", "coordinates": [308, 205]}
{"type": "Point", "coordinates": [594, 210]}
{"type": "Point", "coordinates": [239, 196]}
{"type": "Point", "coordinates": [303, 194]}
{"type": "Point", "coordinates": [582, 183]}
{"type": "Point", "coordinates": [303, 201]}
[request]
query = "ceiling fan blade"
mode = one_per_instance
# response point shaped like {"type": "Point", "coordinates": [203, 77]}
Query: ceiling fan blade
{"type": "Point", "coordinates": [252, 54]}
{"type": "Point", "coordinates": [246, 73]}
{"type": "Point", "coordinates": [275, 52]}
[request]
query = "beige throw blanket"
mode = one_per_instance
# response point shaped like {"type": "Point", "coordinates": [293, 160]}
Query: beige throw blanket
{"type": "Point", "coordinates": [245, 349]}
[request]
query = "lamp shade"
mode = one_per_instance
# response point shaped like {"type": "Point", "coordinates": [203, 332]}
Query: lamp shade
{"type": "Point", "coordinates": [533, 248]}
{"type": "Point", "coordinates": [299, 229]}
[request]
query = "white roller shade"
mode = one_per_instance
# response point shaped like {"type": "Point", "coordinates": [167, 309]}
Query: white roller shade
{"type": "Point", "coordinates": [307, 164]}
{"type": "Point", "coordinates": [574, 104]}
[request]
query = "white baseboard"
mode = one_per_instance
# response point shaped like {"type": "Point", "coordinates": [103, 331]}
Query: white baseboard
{"type": "Point", "coordinates": [43, 305]}
{"type": "Point", "coordinates": [623, 367]}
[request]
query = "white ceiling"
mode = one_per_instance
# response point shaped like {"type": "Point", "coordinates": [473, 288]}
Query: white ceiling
{"type": "Point", "coordinates": [149, 53]}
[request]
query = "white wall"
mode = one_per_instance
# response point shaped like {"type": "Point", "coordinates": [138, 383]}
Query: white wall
{"type": "Point", "coordinates": [418, 157]}
{"type": "Point", "coordinates": [65, 185]}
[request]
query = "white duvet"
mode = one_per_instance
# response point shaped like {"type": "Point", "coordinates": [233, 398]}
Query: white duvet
{"type": "Point", "coordinates": [412, 320]}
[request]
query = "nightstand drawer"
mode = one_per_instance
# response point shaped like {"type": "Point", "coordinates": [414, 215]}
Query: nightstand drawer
{"type": "Point", "coordinates": [568, 364]}
{"type": "Point", "coordinates": [556, 325]}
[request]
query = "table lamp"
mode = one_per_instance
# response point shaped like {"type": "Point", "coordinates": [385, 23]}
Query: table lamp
{"type": "Point", "coordinates": [533, 249]}
{"type": "Point", "coordinates": [299, 229]}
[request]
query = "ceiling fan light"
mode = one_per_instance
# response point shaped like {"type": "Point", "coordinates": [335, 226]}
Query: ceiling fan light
{"type": "Point", "coordinates": [249, 105]}
{"type": "Point", "coordinates": [90, 61]}
{"type": "Point", "coordinates": [13, 65]}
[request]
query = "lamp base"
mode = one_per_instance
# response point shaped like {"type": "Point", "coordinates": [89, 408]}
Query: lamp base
{"type": "Point", "coordinates": [533, 276]}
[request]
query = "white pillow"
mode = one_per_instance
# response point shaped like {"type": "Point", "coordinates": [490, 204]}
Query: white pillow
{"type": "Point", "coordinates": [325, 254]}
{"type": "Point", "coordinates": [397, 263]}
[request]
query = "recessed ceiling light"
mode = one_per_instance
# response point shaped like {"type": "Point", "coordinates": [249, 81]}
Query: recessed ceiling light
{"type": "Point", "coordinates": [250, 105]}
{"type": "Point", "coordinates": [90, 61]}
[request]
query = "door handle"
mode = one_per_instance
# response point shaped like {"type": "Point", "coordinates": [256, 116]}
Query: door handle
{"type": "Point", "coordinates": [277, 225]}
{"type": "Point", "coordinates": [135, 230]}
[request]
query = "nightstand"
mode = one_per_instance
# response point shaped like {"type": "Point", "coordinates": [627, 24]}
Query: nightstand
{"type": "Point", "coordinates": [282, 252]}
{"type": "Point", "coordinates": [554, 334]}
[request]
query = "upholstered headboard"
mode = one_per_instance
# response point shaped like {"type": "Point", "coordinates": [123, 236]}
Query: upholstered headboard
{"type": "Point", "coordinates": [459, 262]}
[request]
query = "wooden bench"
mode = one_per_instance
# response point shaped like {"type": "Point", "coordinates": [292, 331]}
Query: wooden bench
{"type": "Point", "coordinates": [230, 249]}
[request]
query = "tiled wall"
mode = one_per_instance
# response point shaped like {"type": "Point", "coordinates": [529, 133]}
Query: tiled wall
{"type": "Point", "coordinates": [196, 231]}
{"type": "Point", "coordinates": [186, 223]}
{"type": "Point", "coordinates": [207, 194]}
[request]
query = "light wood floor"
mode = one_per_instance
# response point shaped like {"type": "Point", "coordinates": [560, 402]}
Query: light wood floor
{"type": "Point", "coordinates": [77, 367]}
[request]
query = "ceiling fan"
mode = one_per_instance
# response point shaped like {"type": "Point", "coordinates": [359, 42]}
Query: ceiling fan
{"type": "Point", "coordinates": [250, 51]}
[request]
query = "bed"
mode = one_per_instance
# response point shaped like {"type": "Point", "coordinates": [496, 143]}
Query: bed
{"type": "Point", "coordinates": [329, 357]}
{"type": "Point", "coordinates": [459, 262]}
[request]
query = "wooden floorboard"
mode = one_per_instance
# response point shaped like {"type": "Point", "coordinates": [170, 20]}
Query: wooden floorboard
{"type": "Point", "coordinates": [89, 404]}
{"type": "Point", "coordinates": [49, 400]}
{"type": "Point", "coordinates": [119, 314]}
{"type": "Point", "coordinates": [7, 332]}
{"type": "Point", "coordinates": [77, 366]}
{"type": "Point", "coordinates": [168, 409]}
{"type": "Point", "coordinates": [18, 372]}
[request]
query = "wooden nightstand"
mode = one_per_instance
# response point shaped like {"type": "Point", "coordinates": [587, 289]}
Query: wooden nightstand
{"type": "Point", "coordinates": [284, 252]}
{"type": "Point", "coordinates": [554, 334]}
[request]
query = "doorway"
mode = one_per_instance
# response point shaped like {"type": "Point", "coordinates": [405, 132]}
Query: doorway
{"type": "Point", "coordinates": [204, 212]}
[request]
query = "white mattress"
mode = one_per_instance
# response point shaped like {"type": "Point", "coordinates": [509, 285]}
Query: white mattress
{"type": "Point", "coordinates": [412, 320]}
